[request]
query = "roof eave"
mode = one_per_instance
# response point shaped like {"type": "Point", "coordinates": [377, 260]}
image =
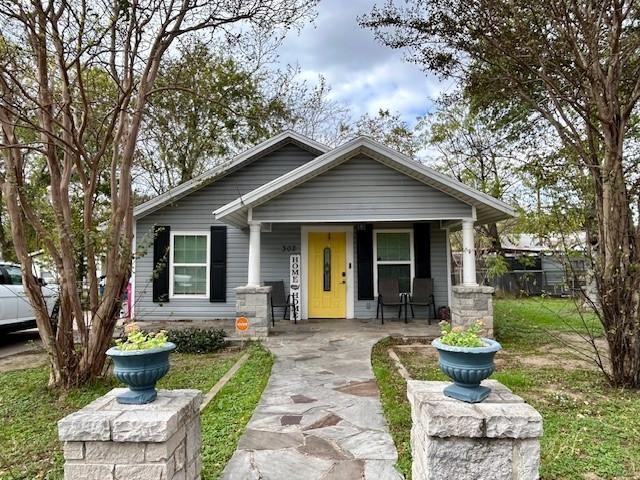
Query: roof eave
{"type": "Point", "coordinates": [293, 178]}
{"type": "Point", "coordinates": [221, 170]}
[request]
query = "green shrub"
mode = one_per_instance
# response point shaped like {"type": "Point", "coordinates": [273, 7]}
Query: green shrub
{"type": "Point", "coordinates": [197, 340]}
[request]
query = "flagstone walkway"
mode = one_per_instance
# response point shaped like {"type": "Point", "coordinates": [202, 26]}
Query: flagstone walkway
{"type": "Point", "coordinates": [320, 416]}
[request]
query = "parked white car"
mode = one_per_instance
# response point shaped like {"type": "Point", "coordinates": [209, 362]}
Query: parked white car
{"type": "Point", "coordinates": [16, 312]}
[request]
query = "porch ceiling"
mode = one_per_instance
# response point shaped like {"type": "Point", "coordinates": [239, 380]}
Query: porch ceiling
{"type": "Point", "coordinates": [487, 209]}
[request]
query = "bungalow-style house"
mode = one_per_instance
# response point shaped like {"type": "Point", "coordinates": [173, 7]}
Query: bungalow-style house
{"type": "Point", "coordinates": [353, 215]}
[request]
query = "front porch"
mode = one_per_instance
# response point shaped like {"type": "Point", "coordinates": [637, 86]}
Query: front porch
{"type": "Point", "coordinates": [349, 220]}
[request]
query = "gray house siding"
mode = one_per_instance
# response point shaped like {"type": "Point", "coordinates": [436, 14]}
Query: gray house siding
{"type": "Point", "coordinates": [361, 189]}
{"type": "Point", "coordinates": [193, 213]}
{"type": "Point", "coordinates": [344, 189]}
{"type": "Point", "coordinates": [367, 308]}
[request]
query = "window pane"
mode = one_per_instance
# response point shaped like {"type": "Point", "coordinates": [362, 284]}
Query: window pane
{"type": "Point", "coordinates": [190, 249]}
{"type": "Point", "coordinates": [327, 270]}
{"type": "Point", "coordinates": [15, 275]}
{"type": "Point", "coordinates": [394, 246]}
{"type": "Point", "coordinates": [401, 272]}
{"type": "Point", "coordinates": [189, 280]}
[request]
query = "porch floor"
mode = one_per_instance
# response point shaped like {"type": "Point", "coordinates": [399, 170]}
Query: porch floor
{"type": "Point", "coordinates": [415, 327]}
{"type": "Point", "coordinates": [320, 416]}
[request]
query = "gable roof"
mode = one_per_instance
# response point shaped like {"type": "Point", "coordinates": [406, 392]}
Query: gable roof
{"type": "Point", "coordinates": [225, 168]}
{"type": "Point", "coordinates": [488, 209]}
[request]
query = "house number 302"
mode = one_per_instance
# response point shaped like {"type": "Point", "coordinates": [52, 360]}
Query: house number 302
{"type": "Point", "coordinates": [288, 248]}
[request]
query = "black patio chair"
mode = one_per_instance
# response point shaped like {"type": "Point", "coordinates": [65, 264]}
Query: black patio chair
{"type": "Point", "coordinates": [279, 300]}
{"type": "Point", "coordinates": [422, 296]}
{"type": "Point", "coordinates": [389, 296]}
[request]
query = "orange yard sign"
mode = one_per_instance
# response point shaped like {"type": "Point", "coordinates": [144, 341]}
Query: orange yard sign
{"type": "Point", "coordinates": [242, 324]}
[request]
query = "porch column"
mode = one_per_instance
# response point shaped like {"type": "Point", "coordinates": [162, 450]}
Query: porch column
{"type": "Point", "coordinates": [253, 277]}
{"type": "Point", "coordinates": [468, 254]}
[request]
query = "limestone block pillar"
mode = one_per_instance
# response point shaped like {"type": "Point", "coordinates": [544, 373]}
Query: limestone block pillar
{"type": "Point", "coordinates": [157, 441]}
{"type": "Point", "coordinates": [497, 439]}
{"type": "Point", "coordinates": [471, 303]}
{"type": "Point", "coordinates": [252, 303]}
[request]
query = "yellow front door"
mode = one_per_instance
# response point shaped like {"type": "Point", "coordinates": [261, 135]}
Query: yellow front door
{"type": "Point", "coordinates": [327, 274]}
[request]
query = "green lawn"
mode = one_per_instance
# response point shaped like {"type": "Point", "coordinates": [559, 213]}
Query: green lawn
{"type": "Point", "coordinates": [224, 420]}
{"type": "Point", "coordinates": [527, 323]}
{"type": "Point", "coordinates": [29, 448]}
{"type": "Point", "coordinates": [591, 429]}
{"type": "Point", "coordinates": [393, 393]}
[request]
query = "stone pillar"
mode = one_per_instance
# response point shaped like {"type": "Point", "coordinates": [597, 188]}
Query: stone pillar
{"type": "Point", "coordinates": [471, 303]}
{"type": "Point", "coordinates": [497, 439]}
{"type": "Point", "coordinates": [468, 253]}
{"type": "Point", "coordinates": [253, 304]}
{"type": "Point", "coordinates": [157, 441]}
{"type": "Point", "coordinates": [253, 272]}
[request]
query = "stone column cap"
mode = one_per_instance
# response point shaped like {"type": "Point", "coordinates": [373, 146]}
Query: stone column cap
{"type": "Point", "coordinates": [252, 289]}
{"type": "Point", "coordinates": [105, 419]}
{"type": "Point", "coordinates": [473, 289]}
{"type": "Point", "coordinates": [501, 415]}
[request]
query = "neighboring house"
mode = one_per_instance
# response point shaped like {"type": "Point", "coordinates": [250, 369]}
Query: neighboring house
{"type": "Point", "coordinates": [550, 266]}
{"type": "Point", "coordinates": [354, 214]}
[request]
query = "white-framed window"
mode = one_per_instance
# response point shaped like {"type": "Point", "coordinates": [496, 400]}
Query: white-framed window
{"type": "Point", "coordinates": [393, 257]}
{"type": "Point", "coordinates": [189, 264]}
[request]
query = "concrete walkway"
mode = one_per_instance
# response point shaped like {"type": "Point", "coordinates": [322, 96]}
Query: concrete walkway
{"type": "Point", "coordinates": [320, 416]}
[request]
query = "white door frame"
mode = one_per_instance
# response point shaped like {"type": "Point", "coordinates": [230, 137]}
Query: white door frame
{"type": "Point", "coordinates": [304, 243]}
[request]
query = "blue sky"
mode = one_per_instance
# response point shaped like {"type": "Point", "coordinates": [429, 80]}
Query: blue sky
{"type": "Point", "coordinates": [363, 74]}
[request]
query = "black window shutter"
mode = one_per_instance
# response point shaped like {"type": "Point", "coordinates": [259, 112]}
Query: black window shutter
{"type": "Point", "coordinates": [364, 245]}
{"type": "Point", "coordinates": [218, 270]}
{"type": "Point", "coordinates": [161, 240]}
{"type": "Point", "coordinates": [422, 247]}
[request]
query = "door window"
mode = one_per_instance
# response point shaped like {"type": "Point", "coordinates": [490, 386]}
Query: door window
{"type": "Point", "coordinates": [327, 269]}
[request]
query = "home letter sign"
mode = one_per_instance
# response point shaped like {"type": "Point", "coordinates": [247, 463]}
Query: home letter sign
{"type": "Point", "coordinates": [294, 282]}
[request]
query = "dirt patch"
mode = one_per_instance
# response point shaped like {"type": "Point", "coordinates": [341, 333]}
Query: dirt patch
{"type": "Point", "coordinates": [560, 356]}
{"type": "Point", "coordinates": [22, 361]}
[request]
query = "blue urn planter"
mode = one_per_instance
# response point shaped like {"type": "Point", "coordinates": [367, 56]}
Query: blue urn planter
{"type": "Point", "coordinates": [140, 370]}
{"type": "Point", "coordinates": [467, 367]}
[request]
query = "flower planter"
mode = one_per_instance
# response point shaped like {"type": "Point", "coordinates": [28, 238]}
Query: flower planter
{"type": "Point", "coordinates": [140, 370]}
{"type": "Point", "coordinates": [467, 367]}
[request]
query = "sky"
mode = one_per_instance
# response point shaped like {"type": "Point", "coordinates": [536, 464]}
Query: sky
{"type": "Point", "coordinates": [363, 74]}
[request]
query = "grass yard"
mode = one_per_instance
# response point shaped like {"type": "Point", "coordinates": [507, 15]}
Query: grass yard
{"type": "Point", "coordinates": [527, 323]}
{"type": "Point", "coordinates": [591, 429]}
{"type": "Point", "coordinates": [225, 418]}
{"type": "Point", "coordinates": [29, 448]}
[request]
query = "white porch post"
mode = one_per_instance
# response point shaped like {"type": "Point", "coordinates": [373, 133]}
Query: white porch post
{"type": "Point", "coordinates": [468, 253]}
{"type": "Point", "coordinates": [253, 277]}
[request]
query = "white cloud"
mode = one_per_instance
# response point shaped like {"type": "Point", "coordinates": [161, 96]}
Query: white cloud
{"type": "Point", "coordinates": [364, 75]}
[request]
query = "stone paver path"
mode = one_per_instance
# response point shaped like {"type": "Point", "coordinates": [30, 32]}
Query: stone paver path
{"type": "Point", "coordinates": [320, 416]}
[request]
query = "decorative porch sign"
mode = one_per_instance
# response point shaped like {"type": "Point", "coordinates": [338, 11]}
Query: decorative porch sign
{"type": "Point", "coordinates": [294, 285]}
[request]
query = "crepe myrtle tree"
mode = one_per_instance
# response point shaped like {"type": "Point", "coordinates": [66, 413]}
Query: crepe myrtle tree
{"type": "Point", "coordinates": [75, 78]}
{"type": "Point", "coordinates": [575, 66]}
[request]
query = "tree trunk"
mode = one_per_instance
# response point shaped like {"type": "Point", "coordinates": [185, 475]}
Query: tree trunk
{"type": "Point", "coordinates": [617, 267]}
